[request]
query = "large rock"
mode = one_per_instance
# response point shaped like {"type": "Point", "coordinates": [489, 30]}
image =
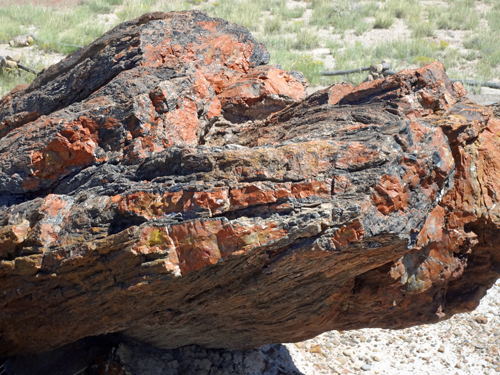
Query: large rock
{"type": "Point", "coordinates": [141, 195]}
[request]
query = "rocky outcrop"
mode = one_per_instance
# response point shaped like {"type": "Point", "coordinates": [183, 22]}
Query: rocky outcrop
{"type": "Point", "coordinates": [143, 195]}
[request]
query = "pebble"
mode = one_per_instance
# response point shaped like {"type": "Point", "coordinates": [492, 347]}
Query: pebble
{"type": "Point", "coordinates": [342, 360]}
{"type": "Point", "coordinates": [347, 353]}
{"type": "Point", "coordinates": [366, 367]}
{"type": "Point", "coordinates": [315, 349]}
{"type": "Point", "coordinates": [482, 320]}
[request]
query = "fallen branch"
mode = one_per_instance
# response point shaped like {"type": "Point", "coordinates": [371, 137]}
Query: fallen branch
{"type": "Point", "coordinates": [344, 72]}
{"type": "Point", "coordinates": [374, 67]}
{"type": "Point", "coordinates": [472, 82]}
{"type": "Point", "coordinates": [27, 68]}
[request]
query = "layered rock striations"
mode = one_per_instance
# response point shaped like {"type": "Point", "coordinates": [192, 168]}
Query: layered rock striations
{"type": "Point", "coordinates": [165, 185]}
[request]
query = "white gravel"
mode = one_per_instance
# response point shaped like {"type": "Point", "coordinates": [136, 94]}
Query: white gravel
{"type": "Point", "coordinates": [460, 345]}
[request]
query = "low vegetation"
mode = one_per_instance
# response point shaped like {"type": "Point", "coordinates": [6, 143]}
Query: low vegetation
{"type": "Point", "coordinates": [463, 34]}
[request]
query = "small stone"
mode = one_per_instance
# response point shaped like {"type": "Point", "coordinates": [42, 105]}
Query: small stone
{"type": "Point", "coordinates": [482, 319]}
{"type": "Point", "coordinates": [366, 367]}
{"type": "Point", "coordinates": [205, 364]}
{"type": "Point", "coordinates": [376, 359]}
{"type": "Point", "coordinates": [458, 365]}
{"type": "Point", "coordinates": [342, 360]}
{"type": "Point", "coordinates": [347, 353]}
{"type": "Point", "coordinates": [362, 339]}
{"type": "Point", "coordinates": [441, 349]}
{"type": "Point", "coordinates": [497, 369]}
{"type": "Point", "coordinates": [315, 349]}
{"type": "Point", "coordinates": [299, 345]}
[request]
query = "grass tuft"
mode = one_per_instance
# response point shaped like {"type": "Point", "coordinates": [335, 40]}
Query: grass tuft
{"type": "Point", "coordinates": [306, 39]}
{"type": "Point", "coordinates": [273, 25]}
{"type": "Point", "coordinates": [422, 29]}
{"type": "Point", "coordinates": [383, 20]}
{"type": "Point", "coordinates": [310, 67]}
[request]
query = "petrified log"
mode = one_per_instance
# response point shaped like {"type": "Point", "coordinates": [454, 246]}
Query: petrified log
{"type": "Point", "coordinates": [129, 205]}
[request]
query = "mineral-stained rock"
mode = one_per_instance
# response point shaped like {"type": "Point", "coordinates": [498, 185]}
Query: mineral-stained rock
{"type": "Point", "coordinates": [124, 211]}
{"type": "Point", "coordinates": [259, 93]}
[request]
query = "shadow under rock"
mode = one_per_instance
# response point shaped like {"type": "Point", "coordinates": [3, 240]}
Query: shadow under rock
{"type": "Point", "coordinates": [111, 356]}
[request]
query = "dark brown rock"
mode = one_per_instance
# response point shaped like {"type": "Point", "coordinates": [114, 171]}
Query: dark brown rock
{"type": "Point", "coordinates": [124, 211]}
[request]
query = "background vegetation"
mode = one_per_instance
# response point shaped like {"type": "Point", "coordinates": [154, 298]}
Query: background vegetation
{"type": "Point", "coordinates": [463, 34]}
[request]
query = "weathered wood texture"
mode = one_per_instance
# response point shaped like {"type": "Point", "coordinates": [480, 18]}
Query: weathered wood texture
{"type": "Point", "coordinates": [142, 194]}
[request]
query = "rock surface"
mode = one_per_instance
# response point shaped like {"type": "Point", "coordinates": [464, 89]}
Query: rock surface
{"type": "Point", "coordinates": [143, 195]}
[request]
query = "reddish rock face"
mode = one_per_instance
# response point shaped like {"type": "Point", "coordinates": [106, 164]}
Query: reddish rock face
{"type": "Point", "coordinates": [129, 206]}
{"type": "Point", "coordinates": [263, 91]}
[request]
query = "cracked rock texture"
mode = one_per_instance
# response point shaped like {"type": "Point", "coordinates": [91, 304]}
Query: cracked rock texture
{"type": "Point", "coordinates": [164, 185]}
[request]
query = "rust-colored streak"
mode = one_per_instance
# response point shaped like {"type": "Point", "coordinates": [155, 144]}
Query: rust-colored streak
{"type": "Point", "coordinates": [196, 244]}
{"type": "Point", "coordinates": [390, 195]}
{"type": "Point", "coordinates": [149, 206]}
{"type": "Point", "coordinates": [355, 153]}
{"type": "Point", "coordinates": [72, 146]}
{"type": "Point", "coordinates": [347, 234]}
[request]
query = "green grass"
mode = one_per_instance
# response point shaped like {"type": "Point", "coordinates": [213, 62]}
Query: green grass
{"type": "Point", "coordinates": [341, 15]}
{"type": "Point", "coordinates": [309, 67]}
{"type": "Point", "coordinates": [55, 30]}
{"type": "Point", "coordinates": [422, 29]}
{"type": "Point", "coordinates": [9, 80]}
{"type": "Point", "coordinates": [134, 8]}
{"type": "Point", "coordinates": [487, 45]}
{"type": "Point", "coordinates": [306, 39]}
{"type": "Point", "coordinates": [273, 25]}
{"type": "Point", "coordinates": [403, 9]}
{"type": "Point", "coordinates": [289, 32]}
{"type": "Point", "coordinates": [383, 20]}
{"type": "Point", "coordinates": [458, 15]}
{"type": "Point", "coordinates": [289, 13]}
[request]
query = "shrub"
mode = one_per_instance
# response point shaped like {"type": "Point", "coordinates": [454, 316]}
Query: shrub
{"type": "Point", "coordinates": [383, 20]}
